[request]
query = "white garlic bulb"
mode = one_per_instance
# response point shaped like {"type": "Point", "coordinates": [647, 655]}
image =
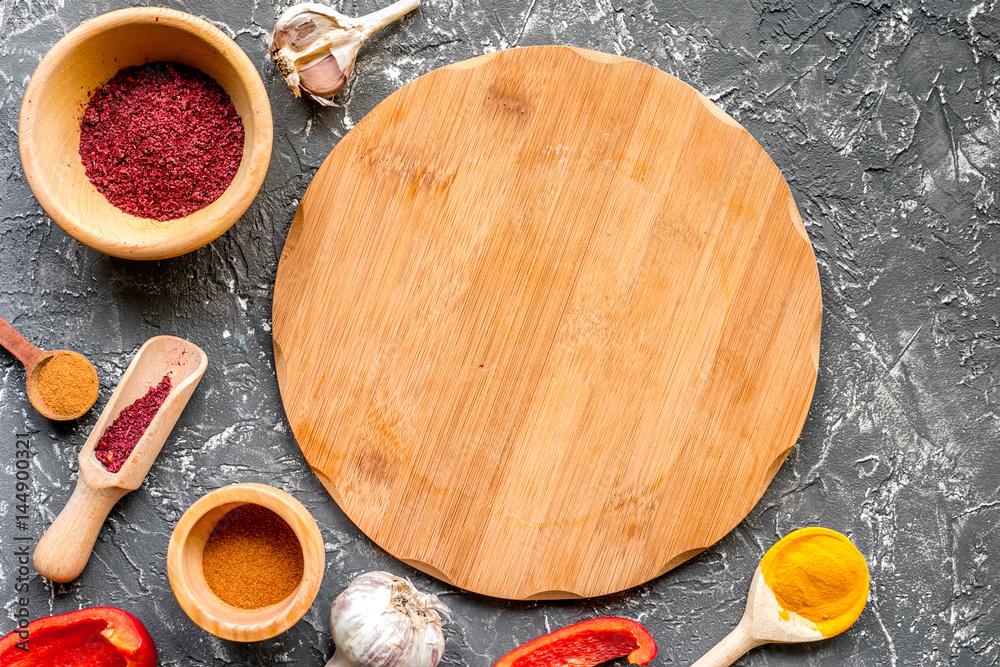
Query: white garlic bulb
{"type": "Point", "coordinates": [314, 47]}
{"type": "Point", "coordinates": [381, 620]}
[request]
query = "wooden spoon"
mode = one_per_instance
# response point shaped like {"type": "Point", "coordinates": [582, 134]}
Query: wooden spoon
{"type": "Point", "coordinates": [766, 621]}
{"type": "Point", "coordinates": [33, 360]}
{"type": "Point", "coordinates": [64, 550]}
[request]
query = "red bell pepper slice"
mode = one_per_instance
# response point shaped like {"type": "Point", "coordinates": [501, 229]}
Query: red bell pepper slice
{"type": "Point", "coordinates": [585, 644]}
{"type": "Point", "coordinates": [95, 637]}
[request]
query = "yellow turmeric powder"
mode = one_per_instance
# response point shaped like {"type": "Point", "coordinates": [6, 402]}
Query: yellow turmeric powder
{"type": "Point", "coordinates": [818, 574]}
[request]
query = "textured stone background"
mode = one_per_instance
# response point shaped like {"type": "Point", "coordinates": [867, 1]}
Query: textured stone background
{"type": "Point", "coordinates": [883, 115]}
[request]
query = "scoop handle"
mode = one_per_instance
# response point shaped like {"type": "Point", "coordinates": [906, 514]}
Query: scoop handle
{"type": "Point", "coordinates": [730, 649]}
{"type": "Point", "coordinates": [65, 548]}
{"type": "Point", "coordinates": [18, 345]}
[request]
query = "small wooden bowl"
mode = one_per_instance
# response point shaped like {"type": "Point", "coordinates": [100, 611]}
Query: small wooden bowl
{"type": "Point", "coordinates": [184, 564]}
{"type": "Point", "coordinates": [57, 96]}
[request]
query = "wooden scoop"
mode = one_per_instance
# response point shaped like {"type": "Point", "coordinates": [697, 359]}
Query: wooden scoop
{"type": "Point", "coordinates": [33, 359]}
{"type": "Point", "coordinates": [766, 621]}
{"type": "Point", "coordinates": [65, 548]}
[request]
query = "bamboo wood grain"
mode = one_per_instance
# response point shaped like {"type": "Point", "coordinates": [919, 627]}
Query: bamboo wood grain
{"type": "Point", "coordinates": [65, 548]}
{"type": "Point", "coordinates": [57, 96]}
{"type": "Point", "coordinates": [32, 358]}
{"type": "Point", "coordinates": [187, 577]}
{"type": "Point", "coordinates": [546, 323]}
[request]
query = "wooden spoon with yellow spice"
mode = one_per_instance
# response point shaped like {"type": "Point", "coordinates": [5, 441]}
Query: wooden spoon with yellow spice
{"type": "Point", "coordinates": [61, 384]}
{"type": "Point", "coordinates": [811, 585]}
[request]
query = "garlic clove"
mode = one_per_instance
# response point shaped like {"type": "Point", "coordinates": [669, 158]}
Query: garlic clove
{"type": "Point", "coordinates": [322, 80]}
{"type": "Point", "coordinates": [303, 31]}
{"type": "Point", "coordinates": [314, 46]}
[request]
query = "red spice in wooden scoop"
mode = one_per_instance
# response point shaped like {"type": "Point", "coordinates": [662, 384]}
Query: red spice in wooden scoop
{"type": "Point", "coordinates": [121, 437]}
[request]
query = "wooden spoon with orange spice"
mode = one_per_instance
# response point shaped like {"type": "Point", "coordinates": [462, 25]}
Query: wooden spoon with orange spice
{"type": "Point", "coordinates": [811, 585]}
{"type": "Point", "coordinates": [62, 384]}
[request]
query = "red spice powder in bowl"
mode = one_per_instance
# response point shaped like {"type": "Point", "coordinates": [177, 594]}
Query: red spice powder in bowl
{"type": "Point", "coordinates": [54, 109]}
{"type": "Point", "coordinates": [161, 140]}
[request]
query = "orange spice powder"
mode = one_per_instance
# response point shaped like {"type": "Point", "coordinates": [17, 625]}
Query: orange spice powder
{"type": "Point", "coordinates": [252, 558]}
{"type": "Point", "coordinates": [67, 383]}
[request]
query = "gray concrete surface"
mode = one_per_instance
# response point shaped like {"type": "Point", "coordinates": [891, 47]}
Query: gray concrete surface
{"type": "Point", "coordinates": [884, 117]}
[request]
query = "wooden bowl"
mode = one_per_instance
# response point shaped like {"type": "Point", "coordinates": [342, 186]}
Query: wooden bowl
{"type": "Point", "coordinates": [53, 107]}
{"type": "Point", "coordinates": [184, 564]}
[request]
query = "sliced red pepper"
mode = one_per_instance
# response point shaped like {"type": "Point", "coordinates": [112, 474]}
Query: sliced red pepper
{"type": "Point", "coordinates": [95, 637]}
{"type": "Point", "coordinates": [585, 644]}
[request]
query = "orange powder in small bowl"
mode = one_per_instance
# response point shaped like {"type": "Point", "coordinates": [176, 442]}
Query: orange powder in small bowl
{"type": "Point", "coordinates": [252, 558]}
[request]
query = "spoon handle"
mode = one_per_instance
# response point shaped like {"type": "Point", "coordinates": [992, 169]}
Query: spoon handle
{"type": "Point", "coordinates": [18, 345]}
{"type": "Point", "coordinates": [65, 548]}
{"type": "Point", "coordinates": [730, 649]}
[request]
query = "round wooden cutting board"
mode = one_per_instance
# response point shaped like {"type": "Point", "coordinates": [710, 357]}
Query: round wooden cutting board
{"type": "Point", "coordinates": [547, 323]}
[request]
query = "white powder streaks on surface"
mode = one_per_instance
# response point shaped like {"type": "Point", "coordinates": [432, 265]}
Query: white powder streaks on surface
{"type": "Point", "coordinates": [883, 118]}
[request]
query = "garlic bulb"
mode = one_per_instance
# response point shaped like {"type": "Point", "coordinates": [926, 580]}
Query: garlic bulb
{"type": "Point", "coordinates": [381, 620]}
{"type": "Point", "coordinates": [314, 47]}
